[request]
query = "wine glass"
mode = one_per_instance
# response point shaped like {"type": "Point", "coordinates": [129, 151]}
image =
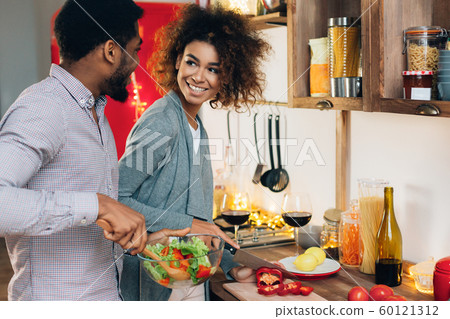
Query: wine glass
{"type": "Point", "coordinates": [296, 212]}
{"type": "Point", "coordinates": [235, 210]}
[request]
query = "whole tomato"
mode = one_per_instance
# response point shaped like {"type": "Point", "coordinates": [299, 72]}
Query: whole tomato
{"type": "Point", "coordinates": [380, 292]}
{"type": "Point", "coordinates": [358, 294]}
{"type": "Point", "coordinates": [395, 298]}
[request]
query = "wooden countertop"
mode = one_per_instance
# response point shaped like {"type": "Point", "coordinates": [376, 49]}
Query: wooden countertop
{"type": "Point", "coordinates": [334, 288]}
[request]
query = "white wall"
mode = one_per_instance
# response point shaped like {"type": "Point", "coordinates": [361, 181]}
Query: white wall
{"type": "Point", "coordinates": [24, 45]}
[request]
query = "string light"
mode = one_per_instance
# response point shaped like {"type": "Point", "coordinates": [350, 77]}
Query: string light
{"type": "Point", "coordinates": [139, 106]}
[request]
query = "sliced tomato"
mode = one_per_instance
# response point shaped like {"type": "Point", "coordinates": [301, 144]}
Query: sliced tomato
{"type": "Point", "coordinates": [203, 271]}
{"type": "Point", "coordinates": [177, 254]}
{"type": "Point", "coordinates": [270, 290]}
{"type": "Point", "coordinates": [165, 251]}
{"type": "Point", "coordinates": [305, 291]}
{"type": "Point", "coordinates": [164, 282]}
{"type": "Point", "coordinates": [188, 256]}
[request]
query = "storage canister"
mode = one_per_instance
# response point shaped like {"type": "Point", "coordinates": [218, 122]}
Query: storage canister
{"type": "Point", "coordinates": [422, 45]}
{"type": "Point", "coordinates": [344, 47]}
{"type": "Point", "coordinates": [441, 280]}
{"type": "Point", "coordinates": [350, 244]}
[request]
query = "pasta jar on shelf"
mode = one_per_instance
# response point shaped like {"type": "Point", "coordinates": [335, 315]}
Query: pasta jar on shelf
{"type": "Point", "coordinates": [344, 54]}
{"type": "Point", "coordinates": [422, 45]}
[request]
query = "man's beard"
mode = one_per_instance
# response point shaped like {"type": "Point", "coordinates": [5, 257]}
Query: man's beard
{"type": "Point", "coordinates": [117, 84]}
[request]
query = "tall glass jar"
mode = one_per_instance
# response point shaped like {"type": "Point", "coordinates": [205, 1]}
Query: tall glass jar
{"type": "Point", "coordinates": [350, 244]}
{"type": "Point", "coordinates": [371, 205]}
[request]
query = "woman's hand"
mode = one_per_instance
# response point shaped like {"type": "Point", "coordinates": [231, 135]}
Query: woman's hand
{"type": "Point", "coordinates": [202, 227]}
{"type": "Point", "coordinates": [243, 274]}
{"type": "Point", "coordinates": [165, 232]}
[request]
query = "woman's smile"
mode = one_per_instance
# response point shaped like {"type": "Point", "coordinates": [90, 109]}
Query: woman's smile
{"type": "Point", "coordinates": [198, 75]}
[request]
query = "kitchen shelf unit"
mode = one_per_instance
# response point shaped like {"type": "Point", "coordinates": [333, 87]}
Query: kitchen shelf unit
{"type": "Point", "coordinates": [382, 24]}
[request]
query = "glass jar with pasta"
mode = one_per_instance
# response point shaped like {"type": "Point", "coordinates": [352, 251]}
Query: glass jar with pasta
{"type": "Point", "coordinates": [422, 45]}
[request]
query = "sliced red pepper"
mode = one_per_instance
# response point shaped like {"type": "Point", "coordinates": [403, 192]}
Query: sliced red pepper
{"type": "Point", "coordinates": [294, 287]}
{"type": "Point", "coordinates": [164, 282]}
{"type": "Point", "coordinates": [305, 291]}
{"type": "Point", "coordinates": [203, 271]}
{"type": "Point", "coordinates": [188, 256]}
{"type": "Point", "coordinates": [268, 277]}
{"type": "Point", "coordinates": [284, 291]}
{"type": "Point", "coordinates": [270, 290]}
{"type": "Point", "coordinates": [165, 251]}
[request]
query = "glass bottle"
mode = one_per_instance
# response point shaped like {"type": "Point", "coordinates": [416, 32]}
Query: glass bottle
{"type": "Point", "coordinates": [388, 265]}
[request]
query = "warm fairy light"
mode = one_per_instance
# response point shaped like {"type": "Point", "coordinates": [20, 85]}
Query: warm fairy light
{"type": "Point", "coordinates": [239, 6]}
{"type": "Point", "coordinates": [139, 106]}
{"type": "Point", "coordinates": [240, 202]}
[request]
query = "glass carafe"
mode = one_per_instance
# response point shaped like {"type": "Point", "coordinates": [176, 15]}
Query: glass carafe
{"type": "Point", "coordinates": [371, 205]}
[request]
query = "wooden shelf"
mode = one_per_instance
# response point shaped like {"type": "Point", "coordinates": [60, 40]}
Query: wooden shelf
{"type": "Point", "coordinates": [271, 20]}
{"type": "Point", "coordinates": [339, 103]}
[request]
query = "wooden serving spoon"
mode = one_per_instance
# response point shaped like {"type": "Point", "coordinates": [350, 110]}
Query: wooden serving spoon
{"type": "Point", "coordinates": [174, 273]}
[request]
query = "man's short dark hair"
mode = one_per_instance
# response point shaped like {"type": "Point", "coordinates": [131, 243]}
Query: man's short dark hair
{"type": "Point", "coordinates": [82, 25]}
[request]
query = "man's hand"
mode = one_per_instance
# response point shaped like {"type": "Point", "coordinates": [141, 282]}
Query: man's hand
{"type": "Point", "coordinates": [126, 226]}
{"type": "Point", "coordinates": [202, 227]}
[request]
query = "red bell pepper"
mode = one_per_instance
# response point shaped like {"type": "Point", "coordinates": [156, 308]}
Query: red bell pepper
{"type": "Point", "coordinates": [270, 290]}
{"type": "Point", "coordinates": [294, 287]}
{"type": "Point", "coordinates": [268, 277]}
{"type": "Point", "coordinates": [283, 292]}
{"type": "Point", "coordinates": [305, 291]}
{"type": "Point", "coordinates": [203, 271]}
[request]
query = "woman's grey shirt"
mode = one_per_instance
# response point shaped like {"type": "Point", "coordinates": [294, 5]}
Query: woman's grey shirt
{"type": "Point", "coordinates": [163, 178]}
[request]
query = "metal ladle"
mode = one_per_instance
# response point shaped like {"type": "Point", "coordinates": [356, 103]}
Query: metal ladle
{"type": "Point", "coordinates": [259, 167]}
{"type": "Point", "coordinates": [176, 274]}
{"type": "Point", "coordinates": [280, 177]}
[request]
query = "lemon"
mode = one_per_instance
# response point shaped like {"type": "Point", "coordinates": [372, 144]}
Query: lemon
{"type": "Point", "coordinates": [318, 253]}
{"type": "Point", "coordinates": [306, 262]}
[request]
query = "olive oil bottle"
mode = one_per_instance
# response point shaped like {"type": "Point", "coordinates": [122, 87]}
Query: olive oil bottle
{"type": "Point", "coordinates": [388, 264]}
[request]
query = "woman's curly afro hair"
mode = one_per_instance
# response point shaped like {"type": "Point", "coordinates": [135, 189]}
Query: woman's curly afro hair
{"type": "Point", "coordinates": [241, 51]}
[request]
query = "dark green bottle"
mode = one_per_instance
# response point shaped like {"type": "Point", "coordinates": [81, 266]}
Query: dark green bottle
{"type": "Point", "coordinates": [388, 264]}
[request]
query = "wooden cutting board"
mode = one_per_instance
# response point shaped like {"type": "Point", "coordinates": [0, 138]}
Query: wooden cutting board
{"type": "Point", "coordinates": [248, 292]}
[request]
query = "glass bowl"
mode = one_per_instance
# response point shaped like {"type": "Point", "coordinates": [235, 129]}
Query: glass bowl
{"type": "Point", "coordinates": [423, 275]}
{"type": "Point", "coordinates": [197, 254]}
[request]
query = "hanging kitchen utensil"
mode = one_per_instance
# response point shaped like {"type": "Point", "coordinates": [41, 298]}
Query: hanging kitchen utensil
{"type": "Point", "coordinates": [280, 177]}
{"type": "Point", "coordinates": [266, 178]}
{"type": "Point", "coordinates": [259, 167]}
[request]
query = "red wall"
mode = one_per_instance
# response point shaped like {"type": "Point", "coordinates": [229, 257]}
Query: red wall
{"type": "Point", "coordinates": [121, 116]}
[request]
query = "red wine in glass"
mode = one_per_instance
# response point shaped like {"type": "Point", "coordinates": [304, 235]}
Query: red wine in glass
{"type": "Point", "coordinates": [297, 219]}
{"type": "Point", "coordinates": [236, 218]}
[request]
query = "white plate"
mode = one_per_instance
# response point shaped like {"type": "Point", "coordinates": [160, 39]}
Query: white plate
{"type": "Point", "coordinates": [327, 268]}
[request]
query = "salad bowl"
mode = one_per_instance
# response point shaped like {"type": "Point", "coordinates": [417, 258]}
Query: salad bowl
{"type": "Point", "coordinates": [196, 255]}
